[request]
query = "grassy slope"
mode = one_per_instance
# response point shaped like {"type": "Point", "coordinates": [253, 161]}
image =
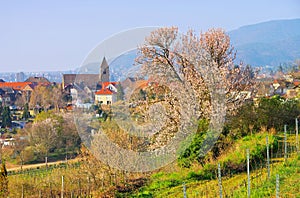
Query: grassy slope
{"type": "Point", "coordinates": [170, 184]}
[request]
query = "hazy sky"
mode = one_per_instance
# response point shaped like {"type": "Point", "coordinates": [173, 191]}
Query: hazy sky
{"type": "Point", "coordinates": [58, 34]}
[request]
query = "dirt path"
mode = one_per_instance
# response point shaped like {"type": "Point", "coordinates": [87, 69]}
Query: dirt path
{"type": "Point", "coordinates": [41, 164]}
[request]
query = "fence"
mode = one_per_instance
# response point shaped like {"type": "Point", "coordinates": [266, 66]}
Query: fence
{"type": "Point", "coordinates": [257, 172]}
{"type": "Point", "coordinates": [69, 180]}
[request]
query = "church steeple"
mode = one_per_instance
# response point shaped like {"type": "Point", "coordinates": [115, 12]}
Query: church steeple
{"type": "Point", "coordinates": [104, 71]}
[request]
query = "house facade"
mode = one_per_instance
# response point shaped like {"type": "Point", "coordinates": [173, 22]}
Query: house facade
{"type": "Point", "coordinates": [106, 94]}
{"type": "Point", "coordinates": [104, 97]}
{"type": "Point", "coordinates": [10, 91]}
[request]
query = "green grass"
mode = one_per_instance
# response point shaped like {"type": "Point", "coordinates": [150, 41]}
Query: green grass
{"type": "Point", "coordinates": [289, 173]}
{"type": "Point", "coordinates": [203, 182]}
{"type": "Point", "coordinates": [171, 185]}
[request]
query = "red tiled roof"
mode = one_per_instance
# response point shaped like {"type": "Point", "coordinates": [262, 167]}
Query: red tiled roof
{"type": "Point", "coordinates": [105, 84]}
{"type": "Point", "coordinates": [15, 85]}
{"type": "Point", "coordinates": [104, 92]}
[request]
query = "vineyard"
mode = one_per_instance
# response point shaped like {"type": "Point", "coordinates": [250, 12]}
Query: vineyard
{"type": "Point", "coordinates": [89, 178]}
{"type": "Point", "coordinates": [232, 181]}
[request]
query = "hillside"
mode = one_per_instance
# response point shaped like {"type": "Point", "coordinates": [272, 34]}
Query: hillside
{"type": "Point", "coordinates": [203, 182]}
{"type": "Point", "coordinates": [268, 43]}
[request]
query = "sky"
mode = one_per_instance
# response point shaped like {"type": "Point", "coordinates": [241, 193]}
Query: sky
{"type": "Point", "coordinates": [57, 35]}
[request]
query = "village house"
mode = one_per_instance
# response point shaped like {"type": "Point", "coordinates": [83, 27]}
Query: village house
{"type": "Point", "coordinates": [293, 90]}
{"type": "Point", "coordinates": [106, 94]}
{"type": "Point", "coordinates": [7, 142]}
{"type": "Point", "coordinates": [9, 91]}
{"type": "Point", "coordinates": [287, 87]}
{"type": "Point", "coordinates": [74, 84]}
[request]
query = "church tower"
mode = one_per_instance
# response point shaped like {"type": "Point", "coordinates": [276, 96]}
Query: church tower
{"type": "Point", "coordinates": [104, 71]}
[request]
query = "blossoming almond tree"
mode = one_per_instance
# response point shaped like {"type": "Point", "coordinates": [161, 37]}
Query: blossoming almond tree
{"type": "Point", "coordinates": [203, 62]}
{"type": "Point", "coordinates": [202, 67]}
{"type": "Point", "coordinates": [190, 77]}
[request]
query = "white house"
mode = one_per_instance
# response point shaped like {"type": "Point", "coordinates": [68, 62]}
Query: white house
{"type": "Point", "coordinates": [107, 94]}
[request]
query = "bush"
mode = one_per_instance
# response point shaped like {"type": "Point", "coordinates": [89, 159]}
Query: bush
{"type": "Point", "coordinates": [271, 112]}
{"type": "Point", "coordinates": [207, 173]}
{"type": "Point", "coordinates": [192, 153]}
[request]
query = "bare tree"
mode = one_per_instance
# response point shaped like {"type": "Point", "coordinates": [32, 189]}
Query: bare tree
{"type": "Point", "coordinates": [19, 147]}
{"type": "Point", "coordinates": [21, 100]}
{"type": "Point", "coordinates": [41, 97]}
{"type": "Point", "coordinates": [56, 97]}
{"type": "Point", "coordinates": [43, 135]}
{"type": "Point", "coordinates": [36, 98]}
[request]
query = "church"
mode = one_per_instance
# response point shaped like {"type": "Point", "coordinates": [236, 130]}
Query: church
{"type": "Point", "coordinates": [89, 80]}
{"type": "Point", "coordinates": [98, 86]}
{"type": "Point", "coordinates": [104, 71]}
{"type": "Point", "coordinates": [105, 91]}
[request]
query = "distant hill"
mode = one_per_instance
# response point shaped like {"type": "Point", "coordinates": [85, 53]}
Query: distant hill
{"type": "Point", "coordinates": [268, 43]}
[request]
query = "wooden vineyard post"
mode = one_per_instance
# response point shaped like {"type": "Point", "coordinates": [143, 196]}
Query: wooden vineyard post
{"type": "Point", "coordinates": [62, 186]}
{"type": "Point", "coordinates": [285, 144]}
{"type": "Point", "coordinates": [184, 191]}
{"type": "Point", "coordinates": [248, 174]}
{"type": "Point", "coordinates": [297, 131]}
{"type": "Point", "coordinates": [220, 180]}
{"type": "Point", "coordinates": [277, 186]}
{"type": "Point", "coordinates": [268, 156]}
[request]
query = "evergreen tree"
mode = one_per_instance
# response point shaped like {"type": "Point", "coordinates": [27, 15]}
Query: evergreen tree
{"type": "Point", "coordinates": [3, 181]}
{"type": "Point", "coordinates": [6, 118]}
{"type": "Point", "coordinates": [26, 113]}
{"type": "Point", "coordinates": [120, 92]}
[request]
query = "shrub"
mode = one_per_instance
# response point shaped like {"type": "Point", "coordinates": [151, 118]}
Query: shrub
{"type": "Point", "coordinates": [192, 153]}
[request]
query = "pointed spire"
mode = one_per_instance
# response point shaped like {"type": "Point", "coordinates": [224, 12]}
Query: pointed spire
{"type": "Point", "coordinates": [104, 71]}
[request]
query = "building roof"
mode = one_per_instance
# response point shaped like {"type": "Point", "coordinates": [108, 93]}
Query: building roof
{"type": "Point", "coordinates": [68, 79]}
{"type": "Point", "coordinates": [109, 85]}
{"type": "Point", "coordinates": [19, 86]}
{"type": "Point", "coordinates": [106, 89]}
{"type": "Point", "coordinates": [105, 84]}
{"type": "Point", "coordinates": [296, 83]}
{"type": "Point", "coordinates": [29, 87]}
{"type": "Point", "coordinates": [38, 80]}
{"type": "Point", "coordinates": [104, 92]}
{"type": "Point", "coordinates": [89, 80]}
